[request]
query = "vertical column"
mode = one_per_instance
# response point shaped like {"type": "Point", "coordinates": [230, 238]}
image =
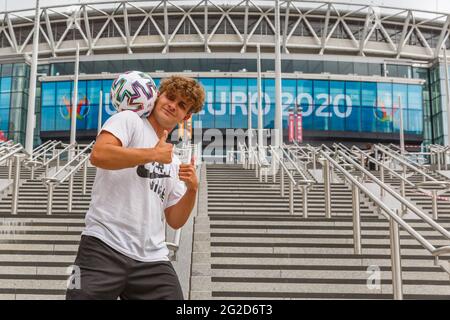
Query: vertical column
{"type": "Point", "coordinates": [31, 118]}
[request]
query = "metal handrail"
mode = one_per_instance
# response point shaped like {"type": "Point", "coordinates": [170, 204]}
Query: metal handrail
{"type": "Point", "coordinates": [396, 149]}
{"type": "Point", "coordinates": [394, 221]}
{"type": "Point", "coordinates": [305, 179]}
{"type": "Point", "coordinates": [12, 151]}
{"type": "Point", "coordinates": [406, 163]}
{"type": "Point", "coordinates": [402, 200]}
{"type": "Point", "coordinates": [46, 143]}
{"type": "Point", "coordinates": [7, 145]}
{"type": "Point", "coordinates": [243, 151]}
{"type": "Point", "coordinates": [277, 157]}
{"type": "Point", "coordinates": [43, 151]}
{"type": "Point", "coordinates": [56, 156]}
{"type": "Point", "coordinates": [68, 164]}
{"type": "Point", "coordinates": [7, 142]}
{"type": "Point", "coordinates": [35, 164]}
{"type": "Point", "coordinates": [381, 164]}
{"type": "Point", "coordinates": [81, 159]}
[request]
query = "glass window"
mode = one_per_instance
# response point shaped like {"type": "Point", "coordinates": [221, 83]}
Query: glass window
{"type": "Point", "coordinates": [269, 115]}
{"type": "Point", "coordinates": [252, 96]}
{"type": "Point", "coordinates": [415, 100]}
{"type": "Point", "coordinates": [63, 105]}
{"type": "Point", "coordinates": [208, 85]}
{"type": "Point", "coordinates": [320, 122]}
{"type": "Point", "coordinates": [240, 105]}
{"type": "Point", "coordinates": [268, 89]}
{"type": "Point", "coordinates": [17, 121]}
{"type": "Point", "coordinates": [4, 119]}
{"type": "Point", "coordinates": [18, 101]}
{"type": "Point", "coordinates": [331, 67]}
{"type": "Point", "coordinates": [346, 68]}
{"type": "Point", "coordinates": [415, 122]}
{"type": "Point", "coordinates": [7, 70]}
{"type": "Point", "coordinates": [305, 100]}
{"type": "Point", "coordinates": [368, 94]}
{"type": "Point", "coordinates": [48, 94]}
{"type": "Point", "coordinates": [108, 109]}
{"type": "Point", "coordinates": [223, 90]}
{"type": "Point", "coordinates": [222, 117]}
{"type": "Point", "coordinates": [48, 119]}
{"type": "Point", "coordinates": [321, 105]}
{"type": "Point", "coordinates": [20, 70]}
{"type": "Point", "coordinates": [315, 66]}
{"type": "Point", "coordinates": [368, 123]}
{"type": "Point", "coordinates": [338, 105]}
{"type": "Point", "coordinates": [5, 84]}
{"type": "Point", "coordinates": [93, 91]}
{"type": "Point", "coordinates": [353, 92]}
{"type": "Point", "coordinates": [337, 123]}
{"type": "Point", "coordinates": [353, 121]}
{"type": "Point", "coordinates": [400, 92]}
{"type": "Point", "coordinates": [288, 99]}
{"type": "Point", "coordinates": [5, 99]}
{"type": "Point", "coordinates": [383, 119]}
{"type": "Point", "coordinates": [62, 118]}
{"type": "Point", "coordinates": [19, 84]}
{"type": "Point", "coordinates": [384, 96]}
{"type": "Point", "coordinates": [361, 69]}
{"type": "Point", "coordinates": [374, 69]}
{"type": "Point", "coordinates": [206, 117]}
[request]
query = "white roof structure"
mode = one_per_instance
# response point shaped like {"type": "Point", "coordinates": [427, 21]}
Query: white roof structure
{"type": "Point", "coordinates": [162, 26]}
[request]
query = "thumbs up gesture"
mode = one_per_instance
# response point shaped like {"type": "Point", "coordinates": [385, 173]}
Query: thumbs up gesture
{"type": "Point", "coordinates": [163, 150]}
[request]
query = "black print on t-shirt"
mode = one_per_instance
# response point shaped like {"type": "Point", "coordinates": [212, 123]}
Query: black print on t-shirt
{"type": "Point", "coordinates": [156, 171]}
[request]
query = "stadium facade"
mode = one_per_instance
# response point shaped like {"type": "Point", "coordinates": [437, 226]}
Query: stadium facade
{"type": "Point", "coordinates": [349, 68]}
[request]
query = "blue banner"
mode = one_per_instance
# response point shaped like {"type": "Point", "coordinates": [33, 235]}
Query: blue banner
{"type": "Point", "coordinates": [325, 105]}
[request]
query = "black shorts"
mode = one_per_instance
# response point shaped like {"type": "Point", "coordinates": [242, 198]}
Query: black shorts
{"type": "Point", "coordinates": [101, 272]}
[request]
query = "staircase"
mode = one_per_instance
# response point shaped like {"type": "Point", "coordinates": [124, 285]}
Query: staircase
{"type": "Point", "coordinates": [260, 251]}
{"type": "Point", "coordinates": [36, 249]}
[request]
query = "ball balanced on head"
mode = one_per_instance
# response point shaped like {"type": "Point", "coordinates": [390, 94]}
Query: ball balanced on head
{"type": "Point", "coordinates": [135, 91]}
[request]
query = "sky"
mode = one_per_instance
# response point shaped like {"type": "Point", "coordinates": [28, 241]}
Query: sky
{"type": "Point", "coordinates": [442, 6]}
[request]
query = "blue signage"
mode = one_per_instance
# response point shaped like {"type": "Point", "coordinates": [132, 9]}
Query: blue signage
{"type": "Point", "coordinates": [325, 104]}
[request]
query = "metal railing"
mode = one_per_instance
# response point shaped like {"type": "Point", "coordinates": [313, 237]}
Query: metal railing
{"type": "Point", "coordinates": [44, 155]}
{"type": "Point", "coordinates": [405, 164]}
{"type": "Point", "coordinates": [67, 172]}
{"type": "Point", "coordinates": [394, 220]}
{"type": "Point", "coordinates": [284, 170]}
{"type": "Point", "coordinates": [434, 194]}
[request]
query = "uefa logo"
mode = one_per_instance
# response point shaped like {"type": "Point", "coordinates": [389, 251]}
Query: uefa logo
{"type": "Point", "coordinates": [83, 108]}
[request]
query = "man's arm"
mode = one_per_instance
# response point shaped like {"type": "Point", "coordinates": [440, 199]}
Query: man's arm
{"type": "Point", "coordinates": [177, 215]}
{"type": "Point", "coordinates": [109, 154]}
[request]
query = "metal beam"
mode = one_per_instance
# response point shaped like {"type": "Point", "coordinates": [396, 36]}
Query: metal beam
{"type": "Point", "coordinates": [325, 30]}
{"type": "Point", "coordinates": [444, 32]}
{"type": "Point", "coordinates": [127, 28]}
{"type": "Point", "coordinates": [401, 44]}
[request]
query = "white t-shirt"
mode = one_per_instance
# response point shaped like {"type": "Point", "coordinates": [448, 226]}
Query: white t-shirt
{"type": "Point", "coordinates": [127, 207]}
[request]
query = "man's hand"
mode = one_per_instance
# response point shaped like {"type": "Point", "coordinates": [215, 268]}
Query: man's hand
{"type": "Point", "coordinates": [188, 175]}
{"type": "Point", "coordinates": [163, 150]}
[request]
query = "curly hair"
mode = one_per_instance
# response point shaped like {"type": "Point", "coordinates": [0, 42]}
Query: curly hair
{"type": "Point", "coordinates": [187, 88]}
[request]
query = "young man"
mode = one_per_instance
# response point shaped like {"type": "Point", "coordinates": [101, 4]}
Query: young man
{"type": "Point", "coordinates": [139, 184]}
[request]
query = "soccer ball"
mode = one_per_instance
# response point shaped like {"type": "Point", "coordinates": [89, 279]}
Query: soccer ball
{"type": "Point", "coordinates": [135, 91]}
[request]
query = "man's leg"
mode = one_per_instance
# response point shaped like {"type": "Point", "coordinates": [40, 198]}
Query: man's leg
{"type": "Point", "coordinates": [102, 271]}
{"type": "Point", "coordinates": [152, 281]}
